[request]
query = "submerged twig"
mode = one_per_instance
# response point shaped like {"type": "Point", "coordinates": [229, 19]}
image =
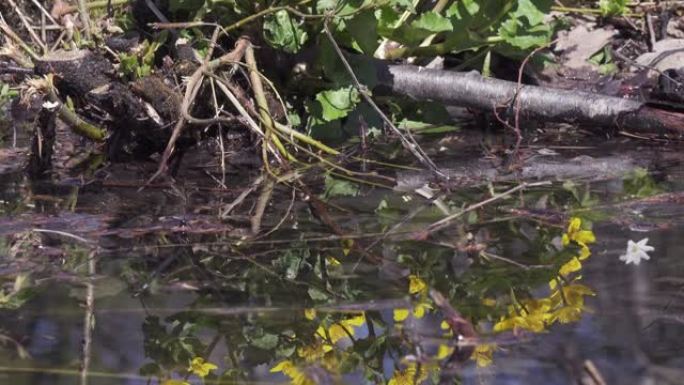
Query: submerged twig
{"type": "Point", "coordinates": [444, 222]}
{"type": "Point", "coordinates": [88, 319]}
{"type": "Point", "coordinates": [264, 198]}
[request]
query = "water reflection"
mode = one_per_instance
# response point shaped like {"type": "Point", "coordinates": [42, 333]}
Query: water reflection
{"type": "Point", "coordinates": [528, 290]}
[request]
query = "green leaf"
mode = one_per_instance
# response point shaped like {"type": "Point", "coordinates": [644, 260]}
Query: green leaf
{"type": "Point", "coordinates": [516, 35]}
{"type": "Point", "coordinates": [337, 103]}
{"type": "Point", "coordinates": [433, 22]}
{"type": "Point", "coordinates": [185, 5]}
{"type": "Point", "coordinates": [530, 11]}
{"type": "Point", "coordinates": [612, 7]}
{"type": "Point", "coordinates": [323, 6]}
{"type": "Point", "coordinates": [281, 31]}
{"type": "Point", "coordinates": [363, 30]}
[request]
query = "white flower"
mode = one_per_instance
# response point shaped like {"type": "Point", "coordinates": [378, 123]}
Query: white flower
{"type": "Point", "coordinates": [50, 105]}
{"type": "Point", "coordinates": [636, 252]}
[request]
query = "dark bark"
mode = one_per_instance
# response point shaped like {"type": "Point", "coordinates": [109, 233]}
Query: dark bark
{"type": "Point", "coordinates": [487, 94]}
{"type": "Point", "coordinates": [90, 79]}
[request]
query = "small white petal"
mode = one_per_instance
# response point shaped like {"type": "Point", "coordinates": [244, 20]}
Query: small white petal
{"type": "Point", "coordinates": [48, 105]}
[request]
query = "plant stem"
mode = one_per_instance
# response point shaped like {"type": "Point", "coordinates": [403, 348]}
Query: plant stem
{"type": "Point", "coordinates": [85, 17]}
{"type": "Point", "coordinates": [262, 13]}
{"type": "Point", "coordinates": [78, 125]}
{"type": "Point", "coordinates": [93, 5]}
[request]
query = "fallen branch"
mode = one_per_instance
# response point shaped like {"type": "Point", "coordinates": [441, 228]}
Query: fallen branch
{"type": "Point", "coordinates": [474, 91]}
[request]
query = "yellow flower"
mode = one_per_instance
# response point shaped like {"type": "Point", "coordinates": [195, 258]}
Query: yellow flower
{"type": "Point", "coordinates": [409, 376]}
{"type": "Point", "coordinates": [575, 233]}
{"type": "Point", "coordinates": [201, 368]}
{"type": "Point", "coordinates": [416, 285]}
{"type": "Point", "coordinates": [483, 354]}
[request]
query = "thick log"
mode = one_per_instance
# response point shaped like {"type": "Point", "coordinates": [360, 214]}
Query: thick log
{"type": "Point", "coordinates": [482, 171]}
{"type": "Point", "coordinates": [474, 91]}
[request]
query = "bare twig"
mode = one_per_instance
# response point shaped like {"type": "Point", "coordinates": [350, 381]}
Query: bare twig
{"type": "Point", "coordinates": [193, 87]}
{"type": "Point", "coordinates": [407, 140]}
{"type": "Point", "coordinates": [521, 70]}
{"type": "Point", "coordinates": [45, 12]}
{"type": "Point", "coordinates": [85, 18]}
{"type": "Point", "coordinates": [36, 39]}
{"type": "Point", "coordinates": [11, 35]}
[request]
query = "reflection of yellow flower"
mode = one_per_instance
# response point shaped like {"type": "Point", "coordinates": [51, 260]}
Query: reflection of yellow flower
{"type": "Point", "coordinates": [571, 266]}
{"type": "Point", "coordinates": [310, 314]}
{"type": "Point", "coordinates": [573, 295]}
{"type": "Point", "coordinates": [567, 314]}
{"type": "Point", "coordinates": [341, 329]}
{"type": "Point", "coordinates": [444, 351]}
{"type": "Point", "coordinates": [483, 354]}
{"type": "Point", "coordinates": [411, 375]}
{"type": "Point", "coordinates": [575, 233]}
{"type": "Point", "coordinates": [570, 303]}
{"type": "Point", "coordinates": [532, 316]}
{"type": "Point", "coordinates": [416, 285]}
{"type": "Point", "coordinates": [201, 368]}
{"type": "Point", "coordinates": [400, 314]}
{"type": "Point", "coordinates": [175, 382]}
{"type": "Point", "coordinates": [315, 352]}
{"type": "Point", "coordinates": [297, 377]}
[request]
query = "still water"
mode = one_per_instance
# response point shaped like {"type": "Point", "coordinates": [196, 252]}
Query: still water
{"type": "Point", "coordinates": [105, 284]}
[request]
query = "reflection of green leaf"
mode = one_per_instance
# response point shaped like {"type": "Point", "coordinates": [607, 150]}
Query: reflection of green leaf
{"type": "Point", "coordinates": [281, 31]}
{"type": "Point", "coordinates": [291, 263]}
{"type": "Point", "coordinates": [267, 342]}
{"type": "Point", "coordinates": [339, 187]}
{"type": "Point", "coordinates": [317, 295]}
{"type": "Point", "coordinates": [426, 128]}
{"type": "Point", "coordinates": [150, 369]}
{"type": "Point", "coordinates": [337, 103]}
{"type": "Point", "coordinates": [640, 184]}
